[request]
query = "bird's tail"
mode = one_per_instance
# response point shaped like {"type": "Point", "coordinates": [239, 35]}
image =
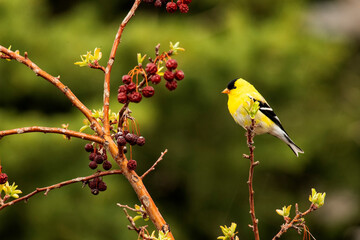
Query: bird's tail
{"type": "Point", "coordinates": [292, 145]}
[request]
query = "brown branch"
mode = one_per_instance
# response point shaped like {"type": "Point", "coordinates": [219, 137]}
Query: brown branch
{"type": "Point", "coordinates": [111, 62]}
{"type": "Point", "coordinates": [59, 185]}
{"type": "Point", "coordinates": [153, 166]}
{"type": "Point", "coordinates": [63, 131]}
{"type": "Point", "coordinates": [294, 221]}
{"type": "Point", "coordinates": [57, 83]}
{"type": "Point", "coordinates": [250, 136]}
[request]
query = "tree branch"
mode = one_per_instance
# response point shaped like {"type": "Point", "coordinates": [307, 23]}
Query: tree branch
{"type": "Point", "coordinates": [153, 166]}
{"type": "Point", "coordinates": [111, 62]}
{"type": "Point", "coordinates": [59, 185]}
{"type": "Point", "coordinates": [62, 131]}
{"type": "Point", "coordinates": [57, 83]}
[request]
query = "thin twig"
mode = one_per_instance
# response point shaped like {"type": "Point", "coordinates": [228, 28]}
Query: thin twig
{"type": "Point", "coordinates": [63, 131]}
{"type": "Point", "coordinates": [59, 185]}
{"type": "Point", "coordinates": [111, 62]}
{"type": "Point", "coordinates": [250, 142]}
{"type": "Point", "coordinates": [153, 166]}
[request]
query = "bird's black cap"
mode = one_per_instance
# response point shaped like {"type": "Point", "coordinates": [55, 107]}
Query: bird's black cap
{"type": "Point", "coordinates": [231, 84]}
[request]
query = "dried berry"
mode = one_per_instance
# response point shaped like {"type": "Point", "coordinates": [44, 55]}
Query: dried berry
{"type": "Point", "coordinates": [184, 8]}
{"type": "Point", "coordinates": [102, 186]}
{"type": "Point", "coordinates": [148, 91]}
{"type": "Point", "coordinates": [134, 97]}
{"type": "Point", "coordinates": [122, 88]}
{"type": "Point", "coordinates": [93, 184]}
{"type": "Point", "coordinates": [107, 165]}
{"type": "Point", "coordinates": [95, 191]}
{"type": "Point", "coordinates": [140, 141]}
{"type": "Point", "coordinates": [124, 150]}
{"type": "Point", "coordinates": [179, 75]}
{"type": "Point", "coordinates": [89, 147]}
{"type": "Point", "coordinates": [121, 141]}
{"type": "Point", "coordinates": [171, 85]}
{"type": "Point", "coordinates": [131, 87]}
{"type": "Point", "coordinates": [131, 164]}
{"type": "Point", "coordinates": [155, 79]}
{"type": "Point", "coordinates": [171, 7]}
{"type": "Point", "coordinates": [158, 3]}
{"type": "Point", "coordinates": [171, 64]}
{"type": "Point", "coordinates": [92, 156]}
{"type": "Point", "coordinates": [99, 159]}
{"type": "Point", "coordinates": [92, 165]}
{"type": "Point", "coordinates": [151, 68]}
{"type": "Point", "coordinates": [187, 1]}
{"type": "Point", "coordinates": [131, 138]}
{"type": "Point", "coordinates": [3, 178]}
{"type": "Point", "coordinates": [126, 79]}
{"type": "Point", "coordinates": [169, 75]}
{"type": "Point", "coordinates": [122, 97]}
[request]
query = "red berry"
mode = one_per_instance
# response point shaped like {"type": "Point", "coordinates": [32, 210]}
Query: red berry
{"type": "Point", "coordinates": [3, 178]}
{"type": "Point", "coordinates": [184, 8]}
{"type": "Point", "coordinates": [187, 1]}
{"type": "Point", "coordinates": [151, 68]}
{"type": "Point", "coordinates": [122, 97]}
{"type": "Point", "coordinates": [155, 79]}
{"type": "Point", "coordinates": [92, 165]}
{"type": "Point", "coordinates": [121, 141]}
{"type": "Point", "coordinates": [93, 184]}
{"type": "Point", "coordinates": [131, 87]}
{"type": "Point", "coordinates": [134, 97]}
{"type": "Point", "coordinates": [168, 75]}
{"type": "Point", "coordinates": [171, 7]}
{"type": "Point", "coordinates": [140, 141]}
{"type": "Point", "coordinates": [122, 88]}
{"type": "Point", "coordinates": [131, 164]}
{"type": "Point", "coordinates": [148, 91]}
{"type": "Point", "coordinates": [89, 147]}
{"type": "Point", "coordinates": [171, 64]}
{"type": "Point", "coordinates": [179, 75]}
{"type": "Point", "coordinates": [107, 165]}
{"type": "Point", "coordinates": [92, 156]}
{"type": "Point", "coordinates": [171, 85]}
{"type": "Point", "coordinates": [158, 3]}
{"type": "Point", "coordinates": [131, 138]}
{"type": "Point", "coordinates": [99, 159]}
{"type": "Point", "coordinates": [126, 79]}
{"type": "Point", "coordinates": [101, 186]}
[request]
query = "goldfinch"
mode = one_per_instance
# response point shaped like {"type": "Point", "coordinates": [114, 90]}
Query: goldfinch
{"type": "Point", "coordinates": [240, 93]}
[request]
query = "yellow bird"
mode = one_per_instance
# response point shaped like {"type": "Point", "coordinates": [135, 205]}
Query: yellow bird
{"type": "Point", "coordinates": [240, 94]}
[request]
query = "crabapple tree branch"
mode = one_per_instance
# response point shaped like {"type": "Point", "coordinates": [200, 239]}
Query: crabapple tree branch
{"type": "Point", "coordinates": [63, 131]}
{"type": "Point", "coordinates": [59, 185]}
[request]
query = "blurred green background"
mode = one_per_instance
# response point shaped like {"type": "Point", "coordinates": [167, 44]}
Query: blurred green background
{"type": "Point", "coordinates": [305, 65]}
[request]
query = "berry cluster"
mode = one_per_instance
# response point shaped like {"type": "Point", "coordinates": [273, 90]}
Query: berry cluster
{"type": "Point", "coordinates": [97, 156]}
{"type": "Point", "coordinates": [129, 91]}
{"type": "Point", "coordinates": [171, 6]}
{"type": "Point", "coordinates": [97, 185]}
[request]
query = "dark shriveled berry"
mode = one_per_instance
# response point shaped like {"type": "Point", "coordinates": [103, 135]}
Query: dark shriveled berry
{"type": "Point", "coordinates": [121, 141]}
{"type": "Point", "coordinates": [158, 3]}
{"type": "Point", "coordinates": [151, 68]}
{"type": "Point", "coordinates": [92, 156]}
{"type": "Point", "coordinates": [92, 165]}
{"type": "Point", "coordinates": [3, 178]}
{"type": "Point", "coordinates": [95, 191]}
{"type": "Point", "coordinates": [126, 79]}
{"type": "Point", "coordinates": [131, 138]}
{"type": "Point", "coordinates": [171, 7]}
{"type": "Point", "coordinates": [102, 186]}
{"type": "Point", "coordinates": [169, 75]}
{"type": "Point", "coordinates": [122, 88]}
{"type": "Point", "coordinates": [171, 85]}
{"type": "Point", "coordinates": [148, 91]}
{"type": "Point", "coordinates": [131, 87]}
{"type": "Point", "coordinates": [89, 147]}
{"type": "Point", "coordinates": [122, 97]}
{"type": "Point", "coordinates": [99, 159]}
{"type": "Point", "coordinates": [140, 141]}
{"type": "Point", "coordinates": [134, 97]}
{"type": "Point", "coordinates": [179, 75]}
{"type": "Point", "coordinates": [171, 64]}
{"type": "Point", "coordinates": [131, 164]}
{"type": "Point", "coordinates": [187, 1]}
{"type": "Point", "coordinates": [155, 79]}
{"type": "Point", "coordinates": [107, 165]}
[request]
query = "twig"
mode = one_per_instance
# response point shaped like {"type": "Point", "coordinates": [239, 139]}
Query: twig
{"type": "Point", "coordinates": [59, 185]}
{"type": "Point", "coordinates": [250, 142]}
{"type": "Point", "coordinates": [63, 131]}
{"type": "Point", "coordinates": [296, 220]}
{"type": "Point", "coordinates": [57, 83]}
{"type": "Point", "coordinates": [153, 166]}
{"type": "Point", "coordinates": [140, 230]}
{"type": "Point", "coordinates": [131, 209]}
{"type": "Point", "coordinates": [111, 62]}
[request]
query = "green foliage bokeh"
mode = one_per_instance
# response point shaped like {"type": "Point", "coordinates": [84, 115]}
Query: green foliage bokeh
{"type": "Point", "coordinates": [310, 80]}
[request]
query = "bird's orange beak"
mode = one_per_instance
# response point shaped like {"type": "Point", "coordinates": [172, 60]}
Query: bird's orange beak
{"type": "Point", "coordinates": [226, 91]}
